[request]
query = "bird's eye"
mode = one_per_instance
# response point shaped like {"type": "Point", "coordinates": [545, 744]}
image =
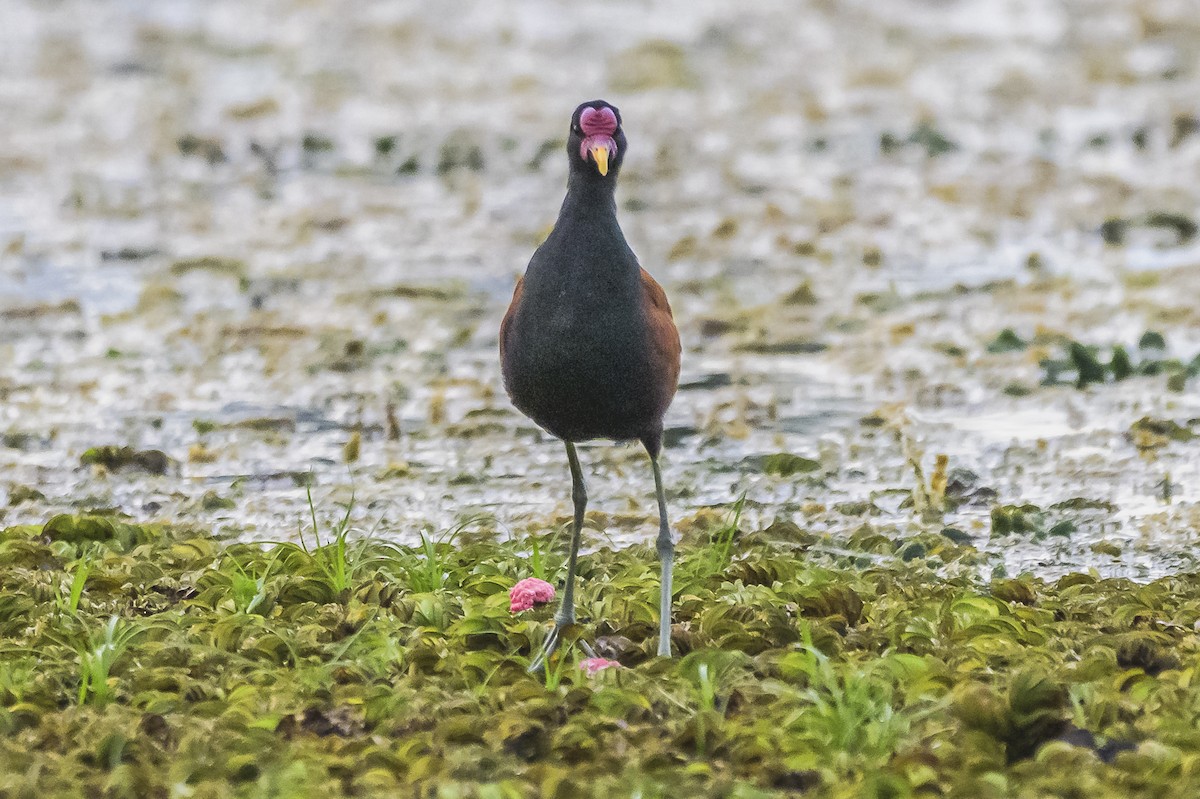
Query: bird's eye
{"type": "Point", "coordinates": [576, 129]}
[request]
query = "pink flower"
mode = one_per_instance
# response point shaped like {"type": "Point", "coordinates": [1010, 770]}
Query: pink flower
{"type": "Point", "coordinates": [593, 665]}
{"type": "Point", "coordinates": [529, 593]}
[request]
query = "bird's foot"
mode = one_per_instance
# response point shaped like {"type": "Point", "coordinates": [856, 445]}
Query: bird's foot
{"type": "Point", "coordinates": [551, 644]}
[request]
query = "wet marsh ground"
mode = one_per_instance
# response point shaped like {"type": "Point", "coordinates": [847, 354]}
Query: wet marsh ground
{"type": "Point", "coordinates": [935, 266]}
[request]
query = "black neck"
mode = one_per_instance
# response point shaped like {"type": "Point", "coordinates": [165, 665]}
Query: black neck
{"type": "Point", "coordinates": [590, 196]}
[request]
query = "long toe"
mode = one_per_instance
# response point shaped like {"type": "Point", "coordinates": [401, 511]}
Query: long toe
{"type": "Point", "coordinates": [553, 639]}
{"type": "Point", "coordinates": [548, 647]}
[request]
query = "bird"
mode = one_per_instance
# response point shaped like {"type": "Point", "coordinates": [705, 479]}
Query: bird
{"type": "Point", "coordinates": [588, 347]}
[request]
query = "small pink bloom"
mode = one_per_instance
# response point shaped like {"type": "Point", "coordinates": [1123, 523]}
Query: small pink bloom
{"type": "Point", "coordinates": [593, 665]}
{"type": "Point", "coordinates": [529, 593]}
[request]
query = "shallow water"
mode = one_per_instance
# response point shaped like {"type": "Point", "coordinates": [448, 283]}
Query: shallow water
{"type": "Point", "coordinates": [199, 223]}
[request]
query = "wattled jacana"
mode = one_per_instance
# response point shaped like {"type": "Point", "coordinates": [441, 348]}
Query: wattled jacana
{"type": "Point", "coordinates": [588, 347]}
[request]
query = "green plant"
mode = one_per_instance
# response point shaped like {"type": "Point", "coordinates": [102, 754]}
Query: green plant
{"type": "Point", "coordinates": [18, 669]}
{"type": "Point", "coordinates": [846, 712]}
{"type": "Point", "coordinates": [542, 561]}
{"type": "Point", "coordinates": [715, 555]}
{"type": "Point", "coordinates": [706, 694]}
{"type": "Point", "coordinates": [721, 545]}
{"type": "Point", "coordinates": [332, 559]}
{"type": "Point", "coordinates": [553, 671]}
{"type": "Point", "coordinates": [69, 603]}
{"type": "Point", "coordinates": [99, 653]}
{"type": "Point", "coordinates": [711, 676]}
{"type": "Point", "coordinates": [536, 565]}
{"type": "Point", "coordinates": [426, 568]}
{"type": "Point", "coordinates": [248, 592]}
{"type": "Point", "coordinates": [813, 672]}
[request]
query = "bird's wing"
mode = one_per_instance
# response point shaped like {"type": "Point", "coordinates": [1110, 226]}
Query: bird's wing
{"type": "Point", "coordinates": [662, 327]}
{"type": "Point", "coordinates": [506, 322]}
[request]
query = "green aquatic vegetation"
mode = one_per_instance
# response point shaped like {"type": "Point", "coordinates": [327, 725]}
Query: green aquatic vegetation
{"type": "Point", "coordinates": [1087, 368]}
{"type": "Point", "coordinates": [1083, 365]}
{"type": "Point", "coordinates": [565, 662]}
{"type": "Point", "coordinates": [1150, 434]}
{"type": "Point", "coordinates": [69, 603]}
{"type": "Point", "coordinates": [925, 136]}
{"type": "Point", "coordinates": [426, 568]}
{"type": "Point", "coordinates": [1007, 340]}
{"type": "Point", "coordinates": [785, 464]}
{"type": "Point", "coordinates": [1061, 520]}
{"type": "Point", "coordinates": [537, 565]}
{"type": "Point", "coordinates": [108, 530]}
{"type": "Point", "coordinates": [1016, 519]}
{"type": "Point", "coordinates": [331, 559]}
{"type": "Point", "coordinates": [1115, 229]}
{"type": "Point", "coordinates": [211, 150]}
{"type": "Point", "coordinates": [116, 458]}
{"type": "Point", "coordinates": [247, 591]}
{"type": "Point", "coordinates": [19, 494]}
{"type": "Point", "coordinates": [713, 554]}
{"type": "Point", "coordinates": [848, 716]}
{"type": "Point", "coordinates": [1152, 340]}
{"type": "Point", "coordinates": [1032, 711]}
{"type": "Point", "coordinates": [160, 660]}
{"type": "Point", "coordinates": [99, 652]}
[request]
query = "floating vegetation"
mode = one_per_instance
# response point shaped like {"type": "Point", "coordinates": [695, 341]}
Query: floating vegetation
{"type": "Point", "coordinates": [214, 264]}
{"type": "Point", "coordinates": [386, 145]}
{"type": "Point", "coordinates": [1115, 230]}
{"type": "Point", "coordinates": [1152, 434]}
{"type": "Point", "coordinates": [316, 143]}
{"type": "Point", "coordinates": [1060, 520]}
{"type": "Point", "coordinates": [143, 660]}
{"type": "Point", "coordinates": [118, 458]}
{"type": "Point", "coordinates": [210, 149]}
{"type": "Point", "coordinates": [1016, 519]}
{"type": "Point", "coordinates": [785, 464]}
{"type": "Point", "coordinates": [1083, 364]}
{"type": "Point", "coordinates": [1007, 341]}
{"type": "Point", "coordinates": [925, 136]}
{"type": "Point", "coordinates": [460, 150]}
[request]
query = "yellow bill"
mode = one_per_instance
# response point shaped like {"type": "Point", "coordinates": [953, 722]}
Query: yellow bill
{"type": "Point", "coordinates": [600, 153]}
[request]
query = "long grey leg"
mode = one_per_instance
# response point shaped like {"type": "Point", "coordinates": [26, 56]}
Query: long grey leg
{"type": "Point", "coordinates": [566, 607]}
{"type": "Point", "coordinates": [666, 556]}
{"type": "Point", "coordinates": [566, 610]}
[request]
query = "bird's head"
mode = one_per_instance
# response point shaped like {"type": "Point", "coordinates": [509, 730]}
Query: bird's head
{"type": "Point", "coordinates": [596, 145]}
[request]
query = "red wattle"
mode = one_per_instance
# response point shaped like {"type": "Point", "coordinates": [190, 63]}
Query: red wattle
{"type": "Point", "coordinates": [597, 140]}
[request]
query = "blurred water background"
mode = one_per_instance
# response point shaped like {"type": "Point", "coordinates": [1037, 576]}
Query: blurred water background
{"type": "Point", "coordinates": [274, 241]}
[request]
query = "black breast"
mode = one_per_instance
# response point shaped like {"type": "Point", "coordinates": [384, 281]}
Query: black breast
{"type": "Point", "coordinates": [576, 359]}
